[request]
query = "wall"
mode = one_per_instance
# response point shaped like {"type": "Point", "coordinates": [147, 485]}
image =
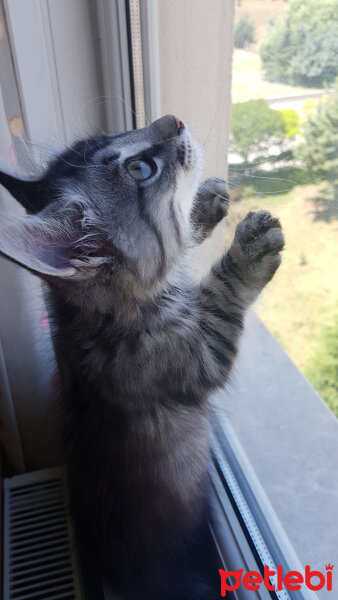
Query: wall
{"type": "Point", "coordinates": [195, 47]}
{"type": "Point", "coordinates": [195, 39]}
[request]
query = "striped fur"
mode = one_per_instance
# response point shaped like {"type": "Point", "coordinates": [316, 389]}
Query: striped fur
{"type": "Point", "coordinates": [139, 346]}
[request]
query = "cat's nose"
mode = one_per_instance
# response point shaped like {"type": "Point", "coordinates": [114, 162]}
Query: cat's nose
{"type": "Point", "coordinates": [179, 124]}
{"type": "Point", "coordinates": [168, 126]}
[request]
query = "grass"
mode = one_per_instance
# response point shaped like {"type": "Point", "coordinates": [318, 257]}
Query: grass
{"type": "Point", "coordinates": [248, 82]}
{"type": "Point", "coordinates": [322, 367]}
{"type": "Point", "coordinates": [302, 297]}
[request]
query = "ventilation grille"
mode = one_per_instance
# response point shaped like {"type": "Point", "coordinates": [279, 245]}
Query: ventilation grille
{"type": "Point", "coordinates": [39, 553]}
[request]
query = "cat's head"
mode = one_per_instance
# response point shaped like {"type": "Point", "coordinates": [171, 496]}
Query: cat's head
{"type": "Point", "coordinates": [111, 209]}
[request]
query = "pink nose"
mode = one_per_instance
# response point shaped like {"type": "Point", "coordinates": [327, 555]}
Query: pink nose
{"type": "Point", "coordinates": [179, 123]}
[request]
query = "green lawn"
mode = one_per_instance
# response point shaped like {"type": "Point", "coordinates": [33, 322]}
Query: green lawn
{"type": "Point", "coordinates": [248, 82]}
{"type": "Point", "coordinates": [302, 300]}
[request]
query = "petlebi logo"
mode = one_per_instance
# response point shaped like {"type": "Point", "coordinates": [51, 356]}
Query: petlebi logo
{"type": "Point", "coordinates": [276, 580]}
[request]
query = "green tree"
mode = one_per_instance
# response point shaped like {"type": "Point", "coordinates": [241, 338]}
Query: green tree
{"type": "Point", "coordinates": [322, 368]}
{"type": "Point", "coordinates": [255, 127]}
{"type": "Point", "coordinates": [315, 61]}
{"type": "Point", "coordinates": [291, 121]}
{"type": "Point", "coordinates": [244, 33]}
{"type": "Point", "coordinates": [302, 48]}
{"type": "Point", "coordinates": [315, 14]}
{"type": "Point", "coordinates": [319, 152]}
{"type": "Point", "coordinates": [276, 51]}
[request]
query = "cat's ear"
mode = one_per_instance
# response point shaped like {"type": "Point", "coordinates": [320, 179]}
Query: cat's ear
{"type": "Point", "coordinates": [36, 247]}
{"type": "Point", "coordinates": [47, 248]}
{"type": "Point", "coordinates": [29, 192]}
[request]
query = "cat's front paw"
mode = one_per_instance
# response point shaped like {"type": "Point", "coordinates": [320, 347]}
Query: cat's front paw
{"type": "Point", "coordinates": [213, 200]}
{"type": "Point", "coordinates": [257, 245]}
{"type": "Point", "coordinates": [210, 206]}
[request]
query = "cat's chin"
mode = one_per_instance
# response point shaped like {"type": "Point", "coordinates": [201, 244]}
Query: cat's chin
{"type": "Point", "coordinates": [191, 154]}
{"type": "Point", "coordinates": [187, 184]}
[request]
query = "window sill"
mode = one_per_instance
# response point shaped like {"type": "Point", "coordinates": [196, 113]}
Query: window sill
{"type": "Point", "coordinates": [276, 430]}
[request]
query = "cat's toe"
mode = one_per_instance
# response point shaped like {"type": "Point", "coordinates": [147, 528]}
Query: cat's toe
{"type": "Point", "coordinates": [214, 198]}
{"type": "Point", "coordinates": [260, 239]}
{"type": "Point", "coordinates": [216, 186]}
{"type": "Point", "coordinates": [260, 233]}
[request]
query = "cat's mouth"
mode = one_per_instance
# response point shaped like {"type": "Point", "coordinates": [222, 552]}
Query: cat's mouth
{"type": "Point", "coordinates": [190, 157]}
{"type": "Point", "coordinates": [186, 150]}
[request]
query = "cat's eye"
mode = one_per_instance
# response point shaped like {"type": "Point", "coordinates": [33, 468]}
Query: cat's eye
{"type": "Point", "coordinates": [141, 169]}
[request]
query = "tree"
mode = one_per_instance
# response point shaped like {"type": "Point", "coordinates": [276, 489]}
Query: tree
{"type": "Point", "coordinates": [244, 33]}
{"type": "Point", "coordinates": [319, 152]}
{"type": "Point", "coordinates": [276, 51]}
{"type": "Point", "coordinates": [255, 127]}
{"type": "Point", "coordinates": [302, 48]}
{"type": "Point", "coordinates": [315, 61]}
{"type": "Point", "coordinates": [291, 121]}
{"type": "Point", "coordinates": [315, 14]}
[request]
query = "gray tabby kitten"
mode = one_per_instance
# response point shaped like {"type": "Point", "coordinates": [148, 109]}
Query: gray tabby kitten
{"type": "Point", "coordinates": [139, 345]}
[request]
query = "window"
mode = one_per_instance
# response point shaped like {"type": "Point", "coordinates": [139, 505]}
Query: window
{"type": "Point", "coordinates": [283, 152]}
{"type": "Point", "coordinates": [274, 471]}
{"type": "Point", "coordinates": [280, 115]}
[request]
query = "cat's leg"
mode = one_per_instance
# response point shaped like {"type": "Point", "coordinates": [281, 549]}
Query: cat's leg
{"type": "Point", "coordinates": [234, 282]}
{"type": "Point", "coordinates": [210, 206]}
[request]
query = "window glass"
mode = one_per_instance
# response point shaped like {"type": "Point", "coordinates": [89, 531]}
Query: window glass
{"type": "Point", "coordinates": [284, 158]}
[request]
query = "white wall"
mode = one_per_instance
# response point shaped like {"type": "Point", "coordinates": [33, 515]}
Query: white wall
{"type": "Point", "coordinates": [195, 41]}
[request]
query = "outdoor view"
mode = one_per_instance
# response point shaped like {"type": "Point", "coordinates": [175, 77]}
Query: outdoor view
{"type": "Point", "coordinates": [284, 158]}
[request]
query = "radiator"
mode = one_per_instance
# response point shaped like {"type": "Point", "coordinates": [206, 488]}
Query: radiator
{"type": "Point", "coordinates": [40, 561]}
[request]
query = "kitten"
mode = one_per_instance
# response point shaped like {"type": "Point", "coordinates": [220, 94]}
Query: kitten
{"type": "Point", "coordinates": [139, 345]}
